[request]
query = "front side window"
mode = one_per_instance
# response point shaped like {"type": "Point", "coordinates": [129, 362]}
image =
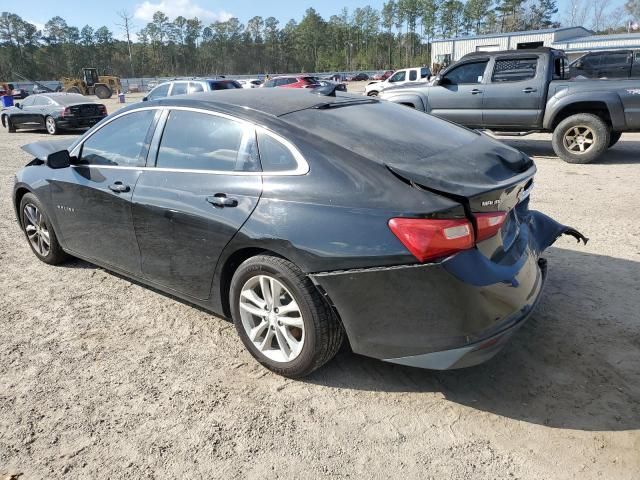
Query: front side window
{"type": "Point", "coordinates": [159, 92]}
{"type": "Point", "coordinates": [469, 73]}
{"type": "Point", "coordinates": [425, 72]}
{"type": "Point", "coordinates": [122, 142]}
{"type": "Point", "coordinates": [274, 155]}
{"type": "Point", "coordinates": [28, 102]}
{"type": "Point", "coordinates": [398, 77]}
{"type": "Point", "coordinates": [199, 141]}
{"type": "Point", "coordinates": [514, 69]}
{"type": "Point", "coordinates": [179, 88]}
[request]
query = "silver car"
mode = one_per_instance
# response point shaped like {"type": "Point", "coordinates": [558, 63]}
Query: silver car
{"type": "Point", "coordinates": [186, 87]}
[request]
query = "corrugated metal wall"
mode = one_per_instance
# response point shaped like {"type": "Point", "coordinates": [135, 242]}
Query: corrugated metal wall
{"type": "Point", "coordinates": [460, 47]}
{"type": "Point", "coordinates": [603, 45]}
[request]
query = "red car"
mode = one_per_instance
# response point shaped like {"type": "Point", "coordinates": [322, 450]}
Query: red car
{"type": "Point", "coordinates": [292, 81]}
{"type": "Point", "coordinates": [383, 75]}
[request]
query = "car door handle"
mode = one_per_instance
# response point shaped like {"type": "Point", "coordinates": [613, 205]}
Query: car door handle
{"type": "Point", "coordinates": [528, 90]}
{"type": "Point", "coordinates": [221, 200]}
{"type": "Point", "coordinates": [475, 91]}
{"type": "Point", "coordinates": [119, 187]}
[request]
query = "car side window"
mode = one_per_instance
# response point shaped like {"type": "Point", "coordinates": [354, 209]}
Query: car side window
{"type": "Point", "coordinates": [28, 102]}
{"type": "Point", "coordinates": [160, 91]}
{"type": "Point", "coordinates": [424, 72]}
{"type": "Point", "coordinates": [398, 77]}
{"type": "Point", "coordinates": [41, 101]}
{"type": "Point", "coordinates": [121, 142]}
{"type": "Point", "coordinates": [195, 87]}
{"type": "Point", "coordinates": [179, 88]}
{"type": "Point", "coordinates": [469, 73]}
{"type": "Point", "coordinates": [274, 155]}
{"type": "Point", "coordinates": [616, 59]}
{"type": "Point", "coordinates": [514, 69]}
{"type": "Point", "coordinates": [413, 75]}
{"type": "Point", "coordinates": [199, 141]}
{"type": "Point", "coordinates": [270, 83]}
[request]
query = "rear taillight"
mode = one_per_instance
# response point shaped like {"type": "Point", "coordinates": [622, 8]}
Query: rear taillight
{"type": "Point", "coordinates": [103, 109]}
{"type": "Point", "coordinates": [488, 224]}
{"type": "Point", "coordinates": [67, 112]}
{"type": "Point", "coordinates": [428, 238]}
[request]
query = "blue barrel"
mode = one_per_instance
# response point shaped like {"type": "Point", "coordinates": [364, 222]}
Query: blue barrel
{"type": "Point", "coordinates": [7, 101]}
{"type": "Point", "coordinates": [121, 97]}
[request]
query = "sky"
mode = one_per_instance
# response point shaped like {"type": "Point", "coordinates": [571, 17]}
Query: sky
{"type": "Point", "coordinates": [79, 13]}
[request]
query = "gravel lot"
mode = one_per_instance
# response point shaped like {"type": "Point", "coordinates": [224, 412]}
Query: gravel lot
{"type": "Point", "coordinates": [102, 378]}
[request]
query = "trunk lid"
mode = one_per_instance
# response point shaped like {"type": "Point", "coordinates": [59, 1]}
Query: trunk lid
{"type": "Point", "coordinates": [41, 150]}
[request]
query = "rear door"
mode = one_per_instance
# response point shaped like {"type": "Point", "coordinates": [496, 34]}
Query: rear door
{"type": "Point", "coordinates": [514, 96]}
{"type": "Point", "coordinates": [205, 184]}
{"type": "Point", "coordinates": [92, 199]}
{"type": "Point", "coordinates": [41, 108]}
{"type": "Point", "coordinates": [458, 96]}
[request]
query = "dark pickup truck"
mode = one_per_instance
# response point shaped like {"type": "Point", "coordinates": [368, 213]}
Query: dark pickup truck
{"type": "Point", "coordinates": [518, 92]}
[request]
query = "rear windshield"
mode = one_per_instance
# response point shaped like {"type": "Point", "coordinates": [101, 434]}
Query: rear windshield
{"type": "Point", "coordinates": [398, 131]}
{"type": "Point", "coordinates": [69, 98]}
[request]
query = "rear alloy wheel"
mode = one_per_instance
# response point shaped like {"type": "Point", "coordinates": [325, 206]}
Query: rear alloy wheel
{"type": "Point", "coordinates": [615, 136]}
{"type": "Point", "coordinates": [103, 92]}
{"type": "Point", "coordinates": [50, 125]}
{"type": "Point", "coordinates": [281, 318]}
{"type": "Point", "coordinates": [37, 227]}
{"type": "Point", "coordinates": [581, 138]}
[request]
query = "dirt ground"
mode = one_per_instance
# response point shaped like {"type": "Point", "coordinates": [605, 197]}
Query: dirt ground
{"type": "Point", "coordinates": [102, 378]}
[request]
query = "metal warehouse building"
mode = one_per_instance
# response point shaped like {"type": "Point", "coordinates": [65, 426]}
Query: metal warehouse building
{"type": "Point", "coordinates": [575, 41]}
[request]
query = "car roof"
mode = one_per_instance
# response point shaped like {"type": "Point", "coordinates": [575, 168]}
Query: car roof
{"type": "Point", "coordinates": [519, 53]}
{"type": "Point", "coordinates": [246, 103]}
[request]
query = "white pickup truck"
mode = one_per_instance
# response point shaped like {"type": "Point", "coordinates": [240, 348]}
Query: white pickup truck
{"type": "Point", "coordinates": [400, 77]}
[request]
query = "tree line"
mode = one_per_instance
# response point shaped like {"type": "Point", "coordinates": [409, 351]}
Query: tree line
{"type": "Point", "coordinates": [366, 38]}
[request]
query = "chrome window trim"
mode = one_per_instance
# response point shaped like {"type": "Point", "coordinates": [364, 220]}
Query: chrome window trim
{"type": "Point", "coordinates": [302, 165]}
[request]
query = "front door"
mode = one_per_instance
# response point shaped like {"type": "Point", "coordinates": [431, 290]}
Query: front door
{"type": "Point", "coordinates": [92, 199]}
{"type": "Point", "coordinates": [514, 97]}
{"type": "Point", "coordinates": [458, 95]}
{"type": "Point", "coordinates": [24, 115]}
{"type": "Point", "coordinates": [204, 186]}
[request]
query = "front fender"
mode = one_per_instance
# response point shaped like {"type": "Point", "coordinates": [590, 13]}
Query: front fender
{"type": "Point", "coordinates": [406, 98]}
{"type": "Point", "coordinates": [561, 100]}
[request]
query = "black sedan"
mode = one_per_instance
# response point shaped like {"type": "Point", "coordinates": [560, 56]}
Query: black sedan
{"type": "Point", "coordinates": [53, 112]}
{"type": "Point", "coordinates": [285, 211]}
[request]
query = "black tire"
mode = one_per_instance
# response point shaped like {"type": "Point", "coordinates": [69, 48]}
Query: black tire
{"type": "Point", "coordinates": [372, 93]}
{"type": "Point", "coordinates": [594, 128]}
{"type": "Point", "coordinates": [9, 124]}
{"type": "Point", "coordinates": [615, 136]}
{"type": "Point", "coordinates": [74, 90]}
{"type": "Point", "coordinates": [54, 255]}
{"type": "Point", "coordinates": [50, 125]}
{"type": "Point", "coordinates": [102, 92]}
{"type": "Point", "coordinates": [323, 332]}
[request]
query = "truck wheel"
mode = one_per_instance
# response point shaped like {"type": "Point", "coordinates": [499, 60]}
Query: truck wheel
{"type": "Point", "coordinates": [103, 92]}
{"type": "Point", "coordinates": [615, 136]}
{"type": "Point", "coordinates": [581, 138]}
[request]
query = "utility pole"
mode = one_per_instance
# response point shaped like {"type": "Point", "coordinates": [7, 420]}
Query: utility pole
{"type": "Point", "coordinates": [126, 26]}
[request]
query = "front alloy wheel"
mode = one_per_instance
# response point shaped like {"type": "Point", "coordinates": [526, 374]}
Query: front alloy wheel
{"type": "Point", "coordinates": [271, 318]}
{"type": "Point", "coordinates": [36, 230]}
{"type": "Point", "coordinates": [579, 139]}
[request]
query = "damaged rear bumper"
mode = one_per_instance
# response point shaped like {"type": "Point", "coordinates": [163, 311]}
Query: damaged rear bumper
{"type": "Point", "coordinates": [455, 313]}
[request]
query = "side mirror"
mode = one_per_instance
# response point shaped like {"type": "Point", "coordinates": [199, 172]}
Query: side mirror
{"type": "Point", "coordinates": [18, 105]}
{"type": "Point", "coordinates": [442, 81]}
{"type": "Point", "coordinates": [60, 159]}
{"type": "Point", "coordinates": [144, 99]}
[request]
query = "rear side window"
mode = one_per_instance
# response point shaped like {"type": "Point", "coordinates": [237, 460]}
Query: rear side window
{"type": "Point", "coordinates": [469, 73]}
{"type": "Point", "coordinates": [159, 92]}
{"type": "Point", "coordinates": [40, 101]}
{"type": "Point", "coordinates": [413, 75]}
{"type": "Point", "coordinates": [195, 87]}
{"type": "Point", "coordinates": [616, 58]}
{"type": "Point", "coordinates": [179, 88]}
{"type": "Point", "coordinates": [123, 142]}
{"type": "Point", "coordinates": [274, 155]}
{"type": "Point", "coordinates": [198, 141]}
{"type": "Point", "coordinates": [514, 69]}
